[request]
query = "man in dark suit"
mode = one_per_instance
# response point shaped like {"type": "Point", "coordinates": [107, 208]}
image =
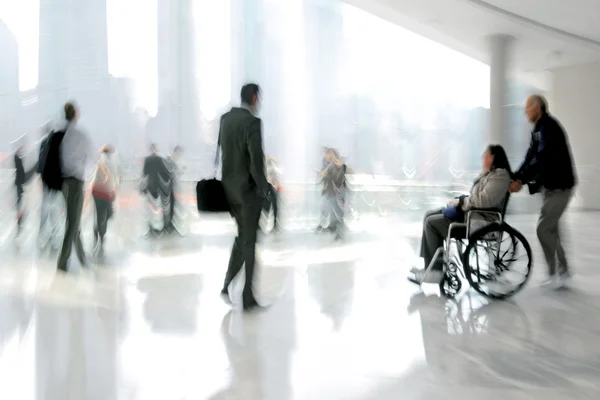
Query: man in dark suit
{"type": "Point", "coordinates": [245, 184]}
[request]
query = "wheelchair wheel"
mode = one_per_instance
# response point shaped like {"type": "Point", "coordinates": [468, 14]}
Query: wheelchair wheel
{"type": "Point", "coordinates": [497, 261]}
{"type": "Point", "coordinates": [451, 284]}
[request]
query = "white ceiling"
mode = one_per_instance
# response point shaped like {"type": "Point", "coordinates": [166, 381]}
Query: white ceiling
{"type": "Point", "coordinates": [548, 33]}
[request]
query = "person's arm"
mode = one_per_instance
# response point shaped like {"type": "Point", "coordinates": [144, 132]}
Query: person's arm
{"type": "Point", "coordinates": [531, 167]}
{"type": "Point", "coordinates": [491, 195]}
{"type": "Point", "coordinates": [257, 155]}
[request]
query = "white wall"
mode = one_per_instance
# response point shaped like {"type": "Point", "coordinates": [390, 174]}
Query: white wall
{"type": "Point", "coordinates": [575, 101]}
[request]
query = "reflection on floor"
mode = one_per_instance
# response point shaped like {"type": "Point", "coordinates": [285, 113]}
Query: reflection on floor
{"type": "Point", "coordinates": [343, 324]}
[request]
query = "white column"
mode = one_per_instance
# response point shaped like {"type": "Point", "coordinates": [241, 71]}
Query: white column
{"type": "Point", "coordinates": [499, 71]}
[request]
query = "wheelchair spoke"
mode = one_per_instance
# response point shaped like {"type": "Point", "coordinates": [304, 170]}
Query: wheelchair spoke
{"type": "Point", "coordinates": [497, 261]}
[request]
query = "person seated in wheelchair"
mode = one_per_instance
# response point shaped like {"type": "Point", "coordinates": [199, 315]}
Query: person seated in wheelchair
{"type": "Point", "coordinates": [488, 192]}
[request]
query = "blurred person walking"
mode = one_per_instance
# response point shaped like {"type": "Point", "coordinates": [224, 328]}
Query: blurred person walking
{"type": "Point", "coordinates": [272, 203]}
{"type": "Point", "coordinates": [335, 194]}
{"type": "Point", "coordinates": [104, 190]}
{"type": "Point", "coordinates": [75, 157]}
{"type": "Point", "coordinates": [51, 203]}
{"type": "Point", "coordinates": [548, 167]}
{"type": "Point", "coordinates": [245, 184]}
{"type": "Point", "coordinates": [156, 185]}
{"type": "Point", "coordinates": [21, 178]}
{"type": "Point", "coordinates": [175, 172]}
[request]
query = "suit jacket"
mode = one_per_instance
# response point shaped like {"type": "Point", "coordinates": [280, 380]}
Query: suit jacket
{"type": "Point", "coordinates": [155, 171]}
{"type": "Point", "coordinates": [243, 158]}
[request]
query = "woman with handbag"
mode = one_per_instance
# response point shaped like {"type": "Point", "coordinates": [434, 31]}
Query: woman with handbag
{"type": "Point", "coordinates": [489, 190]}
{"type": "Point", "coordinates": [104, 190]}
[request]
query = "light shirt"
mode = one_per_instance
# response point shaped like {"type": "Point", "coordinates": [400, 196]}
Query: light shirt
{"type": "Point", "coordinates": [113, 173]}
{"type": "Point", "coordinates": [75, 153]}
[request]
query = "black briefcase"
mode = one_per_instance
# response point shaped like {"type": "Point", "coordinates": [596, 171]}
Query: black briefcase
{"type": "Point", "coordinates": [210, 196]}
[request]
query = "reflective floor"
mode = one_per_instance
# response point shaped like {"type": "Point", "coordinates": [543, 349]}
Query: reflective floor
{"type": "Point", "coordinates": [342, 323]}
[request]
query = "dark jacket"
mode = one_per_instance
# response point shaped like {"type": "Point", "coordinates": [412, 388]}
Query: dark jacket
{"type": "Point", "coordinates": [157, 175]}
{"type": "Point", "coordinates": [243, 158]}
{"type": "Point", "coordinates": [43, 154]}
{"type": "Point", "coordinates": [548, 162]}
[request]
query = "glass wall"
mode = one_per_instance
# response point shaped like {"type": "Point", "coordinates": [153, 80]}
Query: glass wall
{"type": "Point", "coordinates": [399, 107]}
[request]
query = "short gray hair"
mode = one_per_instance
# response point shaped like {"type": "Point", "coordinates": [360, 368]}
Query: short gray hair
{"type": "Point", "coordinates": [541, 100]}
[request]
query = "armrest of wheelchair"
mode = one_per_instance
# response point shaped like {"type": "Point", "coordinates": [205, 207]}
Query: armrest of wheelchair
{"type": "Point", "coordinates": [455, 225]}
{"type": "Point", "coordinates": [485, 210]}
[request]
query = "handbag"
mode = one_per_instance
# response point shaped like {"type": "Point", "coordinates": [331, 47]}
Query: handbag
{"type": "Point", "coordinates": [210, 194]}
{"type": "Point", "coordinates": [453, 213]}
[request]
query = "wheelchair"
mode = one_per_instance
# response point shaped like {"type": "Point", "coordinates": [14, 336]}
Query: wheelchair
{"type": "Point", "coordinates": [494, 257]}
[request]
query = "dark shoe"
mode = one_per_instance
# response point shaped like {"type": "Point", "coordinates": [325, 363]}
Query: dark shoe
{"type": "Point", "coordinates": [251, 305]}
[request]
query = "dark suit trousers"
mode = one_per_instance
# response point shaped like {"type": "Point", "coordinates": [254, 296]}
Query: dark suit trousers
{"type": "Point", "coordinates": [244, 247]}
{"type": "Point", "coordinates": [73, 191]}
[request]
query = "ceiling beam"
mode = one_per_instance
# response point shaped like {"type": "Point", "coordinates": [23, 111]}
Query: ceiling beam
{"type": "Point", "coordinates": [558, 33]}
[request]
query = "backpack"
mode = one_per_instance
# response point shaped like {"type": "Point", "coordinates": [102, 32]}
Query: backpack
{"type": "Point", "coordinates": [51, 169]}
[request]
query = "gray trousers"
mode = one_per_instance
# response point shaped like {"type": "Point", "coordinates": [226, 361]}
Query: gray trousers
{"type": "Point", "coordinates": [435, 230]}
{"type": "Point", "coordinates": [73, 192]}
{"type": "Point", "coordinates": [548, 229]}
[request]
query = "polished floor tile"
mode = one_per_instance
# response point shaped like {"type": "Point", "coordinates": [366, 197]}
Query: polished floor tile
{"type": "Point", "coordinates": [342, 322]}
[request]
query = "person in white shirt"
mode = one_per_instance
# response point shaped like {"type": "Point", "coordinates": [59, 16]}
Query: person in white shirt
{"type": "Point", "coordinates": [75, 155]}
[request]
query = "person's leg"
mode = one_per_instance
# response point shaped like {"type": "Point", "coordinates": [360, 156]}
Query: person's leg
{"type": "Point", "coordinates": [236, 259]}
{"type": "Point", "coordinates": [554, 204]}
{"type": "Point", "coordinates": [275, 206]}
{"type": "Point", "coordinates": [251, 216]}
{"type": "Point", "coordinates": [325, 212]}
{"type": "Point", "coordinates": [70, 228]}
{"type": "Point", "coordinates": [20, 209]}
{"type": "Point", "coordinates": [172, 209]}
{"type": "Point", "coordinates": [78, 199]}
{"type": "Point", "coordinates": [338, 216]}
{"type": "Point", "coordinates": [98, 220]}
{"type": "Point", "coordinates": [423, 252]}
{"type": "Point", "coordinates": [101, 217]}
{"type": "Point", "coordinates": [435, 231]}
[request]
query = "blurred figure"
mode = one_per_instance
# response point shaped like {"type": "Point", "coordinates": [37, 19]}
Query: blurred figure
{"type": "Point", "coordinates": [548, 167]}
{"type": "Point", "coordinates": [488, 191]}
{"type": "Point", "coordinates": [21, 178]}
{"type": "Point", "coordinates": [175, 172]}
{"type": "Point", "coordinates": [104, 190]}
{"type": "Point", "coordinates": [334, 192]}
{"type": "Point", "coordinates": [51, 208]}
{"type": "Point", "coordinates": [274, 179]}
{"type": "Point", "coordinates": [156, 185]}
{"type": "Point", "coordinates": [75, 156]}
{"type": "Point", "coordinates": [245, 184]}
